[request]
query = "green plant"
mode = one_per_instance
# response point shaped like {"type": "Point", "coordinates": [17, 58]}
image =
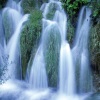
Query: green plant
{"type": "Point", "coordinates": [30, 36]}
{"type": "Point", "coordinates": [95, 6]}
{"type": "Point", "coordinates": [72, 7]}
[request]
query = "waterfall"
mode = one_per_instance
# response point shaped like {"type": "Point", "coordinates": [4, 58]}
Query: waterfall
{"type": "Point", "coordinates": [80, 52]}
{"type": "Point", "coordinates": [38, 77]}
{"type": "Point", "coordinates": [39, 81]}
{"type": "Point", "coordinates": [9, 15]}
{"type": "Point", "coordinates": [66, 70]}
{"type": "Point", "coordinates": [13, 21]}
{"type": "Point", "coordinates": [2, 37]}
{"type": "Point", "coordinates": [14, 4]}
{"type": "Point", "coordinates": [74, 79]}
{"type": "Point", "coordinates": [67, 84]}
{"type": "Point", "coordinates": [13, 50]}
{"type": "Point", "coordinates": [80, 21]}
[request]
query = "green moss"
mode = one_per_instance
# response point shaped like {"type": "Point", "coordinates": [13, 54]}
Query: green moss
{"type": "Point", "coordinates": [51, 52]}
{"type": "Point", "coordinates": [95, 6]}
{"type": "Point", "coordinates": [52, 8]}
{"type": "Point", "coordinates": [72, 7]}
{"type": "Point", "coordinates": [94, 46]}
{"type": "Point", "coordinates": [29, 5]}
{"type": "Point", "coordinates": [70, 32]}
{"type": "Point", "coordinates": [30, 36]}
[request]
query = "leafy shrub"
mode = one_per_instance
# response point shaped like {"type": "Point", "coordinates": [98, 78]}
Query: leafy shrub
{"type": "Point", "coordinates": [72, 7]}
{"type": "Point", "coordinates": [29, 37]}
{"type": "Point", "coordinates": [95, 6]}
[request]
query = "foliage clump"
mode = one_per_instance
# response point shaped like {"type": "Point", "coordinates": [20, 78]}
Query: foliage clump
{"type": "Point", "coordinates": [95, 6]}
{"type": "Point", "coordinates": [94, 46]}
{"type": "Point", "coordinates": [29, 5]}
{"type": "Point", "coordinates": [72, 7]}
{"type": "Point", "coordinates": [29, 37]}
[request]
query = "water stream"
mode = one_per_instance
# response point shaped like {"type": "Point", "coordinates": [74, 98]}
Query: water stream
{"type": "Point", "coordinates": [12, 12]}
{"type": "Point", "coordinates": [74, 74]}
{"type": "Point", "coordinates": [80, 52]}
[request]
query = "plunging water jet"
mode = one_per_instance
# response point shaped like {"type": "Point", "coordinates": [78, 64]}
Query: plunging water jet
{"type": "Point", "coordinates": [80, 53]}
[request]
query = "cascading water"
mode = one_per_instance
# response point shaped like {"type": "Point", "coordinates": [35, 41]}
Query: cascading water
{"type": "Point", "coordinates": [14, 5]}
{"type": "Point", "coordinates": [72, 64]}
{"type": "Point", "coordinates": [2, 47]}
{"type": "Point", "coordinates": [9, 16]}
{"type": "Point", "coordinates": [66, 80]}
{"type": "Point", "coordinates": [80, 21]}
{"type": "Point", "coordinates": [80, 52]}
{"type": "Point", "coordinates": [10, 13]}
{"type": "Point", "coordinates": [38, 80]}
{"type": "Point", "coordinates": [2, 38]}
{"type": "Point", "coordinates": [13, 49]}
{"type": "Point", "coordinates": [66, 71]}
{"type": "Point", "coordinates": [67, 84]}
{"type": "Point", "coordinates": [60, 20]}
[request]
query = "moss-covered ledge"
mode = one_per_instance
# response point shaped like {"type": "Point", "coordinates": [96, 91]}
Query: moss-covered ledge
{"type": "Point", "coordinates": [30, 36]}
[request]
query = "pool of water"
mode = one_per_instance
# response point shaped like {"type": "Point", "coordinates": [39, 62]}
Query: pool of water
{"type": "Point", "coordinates": [19, 90]}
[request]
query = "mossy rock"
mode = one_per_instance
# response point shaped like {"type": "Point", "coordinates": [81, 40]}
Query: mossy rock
{"type": "Point", "coordinates": [29, 5]}
{"type": "Point", "coordinates": [94, 47]}
{"type": "Point", "coordinates": [30, 36]}
{"type": "Point", "coordinates": [70, 32]}
{"type": "Point", "coordinates": [52, 9]}
{"type": "Point", "coordinates": [51, 52]}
